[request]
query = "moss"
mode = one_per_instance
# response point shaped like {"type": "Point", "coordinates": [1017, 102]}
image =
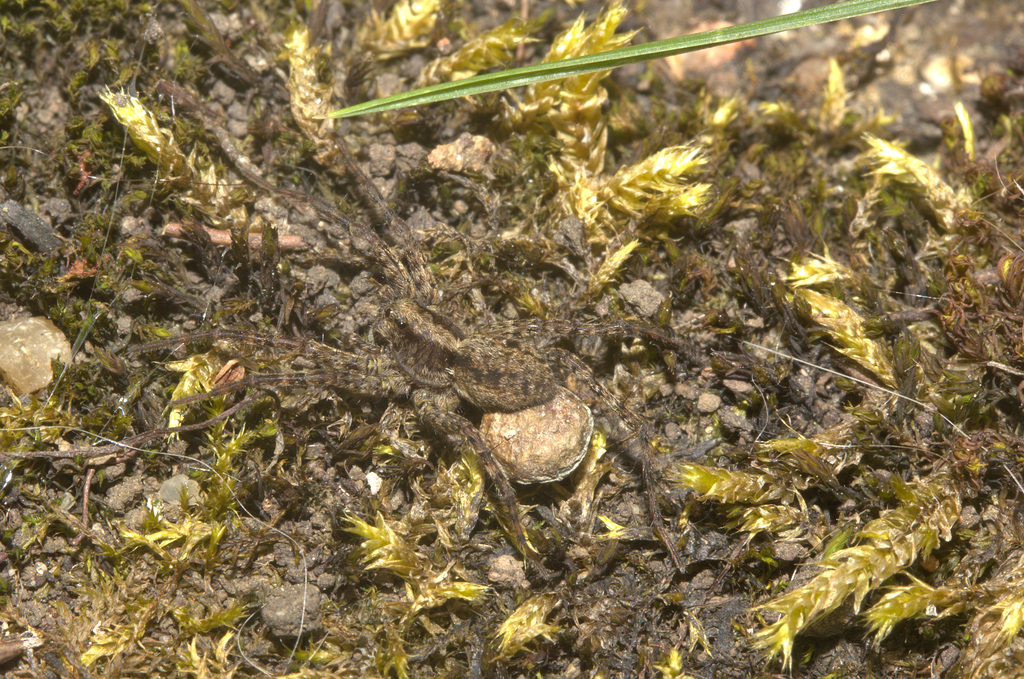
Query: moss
{"type": "Point", "coordinates": [854, 304]}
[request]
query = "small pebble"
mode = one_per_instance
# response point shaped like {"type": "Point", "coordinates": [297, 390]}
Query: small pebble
{"type": "Point", "coordinates": [382, 159]}
{"type": "Point", "coordinates": [687, 391]}
{"type": "Point", "coordinates": [468, 152]}
{"type": "Point", "coordinates": [27, 346]}
{"type": "Point", "coordinates": [292, 610]}
{"type": "Point", "coordinates": [642, 297]}
{"type": "Point", "coordinates": [507, 570]}
{"type": "Point", "coordinates": [170, 490]}
{"type": "Point", "coordinates": [738, 386]}
{"type": "Point", "coordinates": [708, 403]}
{"type": "Point", "coordinates": [374, 482]}
{"type": "Point", "coordinates": [33, 576]}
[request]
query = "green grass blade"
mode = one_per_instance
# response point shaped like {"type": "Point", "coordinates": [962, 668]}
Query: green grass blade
{"type": "Point", "coordinates": [527, 75]}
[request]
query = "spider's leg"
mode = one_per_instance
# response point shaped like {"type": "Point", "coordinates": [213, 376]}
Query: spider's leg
{"type": "Point", "coordinates": [636, 439]}
{"type": "Point", "coordinates": [419, 279]}
{"type": "Point", "coordinates": [356, 366]}
{"type": "Point", "coordinates": [437, 411]}
{"type": "Point", "coordinates": [249, 339]}
{"type": "Point", "coordinates": [408, 277]}
{"type": "Point", "coordinates": [131, 445]}
{"type": "Point", "coordinates": [366, 241]}
{"type": "Point", "coordinates": [552, 330]}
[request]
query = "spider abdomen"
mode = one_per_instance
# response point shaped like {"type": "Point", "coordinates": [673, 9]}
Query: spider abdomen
{"type": "Point", "coordinates": [500, 376]}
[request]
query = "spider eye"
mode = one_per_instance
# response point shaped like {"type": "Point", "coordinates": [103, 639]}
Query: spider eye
{"type": "Point", "coordinates": [390, 315]}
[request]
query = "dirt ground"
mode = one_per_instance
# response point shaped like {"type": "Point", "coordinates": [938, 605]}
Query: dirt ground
{"type": "Point", "coordinates": [819, 365]}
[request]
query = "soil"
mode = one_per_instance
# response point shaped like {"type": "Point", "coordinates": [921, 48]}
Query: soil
{"type": "Point", "coordinates": [323, 531]}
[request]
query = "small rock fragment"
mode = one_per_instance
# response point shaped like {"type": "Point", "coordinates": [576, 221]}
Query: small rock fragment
{"type": "Point", "coordinates": [374, 482]}
{"type": "Point", "coordinates": [124, 494]}
{"type": "Point", "coordinates": [388, 84]}
{"type": "Point", "coordinates": [687, 391]}
{"type": "Point", "coordinates": [27, 346]}
{"type": "Point", "coordinates": [540, 444]}
{"type": "Point", "coordinates": [733, 421]}
{"type": "Point", "coordinates": [570, 236]}
{"type": "Point", "coordinates": [293, 610]}
{"type": "Point", "coordinates": [57, 211]}
{"type": "Point", "coordinates": [507, 570]}
{"type": "Point", "coordinates": [170, 490]}
{"type": "Point", "coordinates": [382, 159]}
{"type": "Point", "coordinates": [468, 152]}
{"type": "Point", "coordinates": [34, 575]}
{"type": "Point", "coordinates": [708, 403]}
{"type": "Point", "coordinates": [673, 431]}
{"type": "Point", "coordinates": [740, 387]}
{"type": "Point", "coordinates": [642, 297]}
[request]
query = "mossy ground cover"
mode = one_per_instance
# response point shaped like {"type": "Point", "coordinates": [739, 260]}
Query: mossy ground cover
{"type": "Point", "coordinates": [830, 223]}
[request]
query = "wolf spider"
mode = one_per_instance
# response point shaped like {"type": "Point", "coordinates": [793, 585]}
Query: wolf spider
{"type": "Point", "coordinates": [434, 362]}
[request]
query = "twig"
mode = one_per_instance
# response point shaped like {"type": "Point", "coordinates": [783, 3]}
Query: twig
{"type": "Point", "coordinates": [222, 237]}
{"type": "Point", "coordinates": [89, 473]}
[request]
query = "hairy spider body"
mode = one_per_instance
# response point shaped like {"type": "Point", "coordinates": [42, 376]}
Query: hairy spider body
{"type": "Point", "coordinates": [421, 354]}
{"type": "Point", "coordinates": [495, 374]}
